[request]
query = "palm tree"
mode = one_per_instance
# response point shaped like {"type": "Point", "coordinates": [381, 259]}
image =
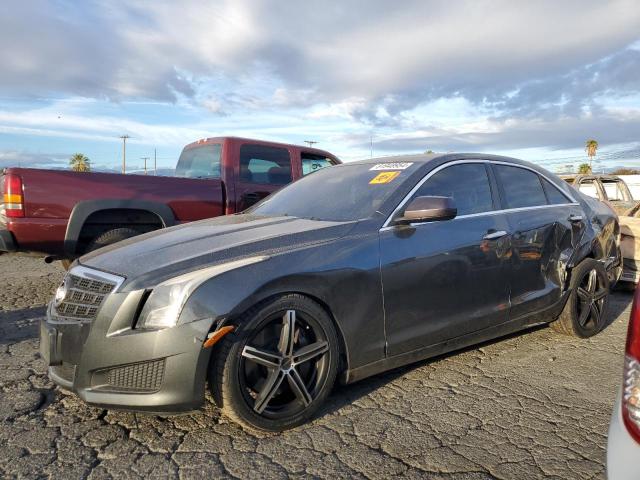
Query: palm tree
{"type": "Point", "coordinates": [591, 147]}
{"type": "Point", "coordinates": [584, 168]}
{"type": "Point", "coordinates": [80, 163]}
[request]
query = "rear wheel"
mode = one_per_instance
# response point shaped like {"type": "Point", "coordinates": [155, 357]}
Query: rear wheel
{"type": "Point", "coordinates": [584, 314]}
{"type": "Point", "coordinates": [112, 236]}
{"type": "Point", "coordinates": [107, 238]}
{"type": "Point", "coordinates": [277, 368]}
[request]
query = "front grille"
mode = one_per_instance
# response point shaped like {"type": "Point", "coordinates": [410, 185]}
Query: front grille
{"type": "Point", "coordinates": [140, 377]}
{"type": "Point", "coordinates": [84, 293]}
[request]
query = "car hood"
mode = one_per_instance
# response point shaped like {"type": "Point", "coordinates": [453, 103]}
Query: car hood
{"type": "Point", "coordinates": [156, 256]}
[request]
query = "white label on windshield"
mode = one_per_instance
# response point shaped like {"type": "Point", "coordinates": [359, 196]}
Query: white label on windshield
{"type": "Point", "coordinates": [391, 166]}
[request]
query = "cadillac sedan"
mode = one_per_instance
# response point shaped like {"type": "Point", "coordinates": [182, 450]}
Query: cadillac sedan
{"type": "Point", "coordinates": [348, 272]}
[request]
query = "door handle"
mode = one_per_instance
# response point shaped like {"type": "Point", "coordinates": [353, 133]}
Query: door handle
{"type": "Point", "coordinates": [495, 235]}
{"type": "Point", "coordinates": [575, 218]}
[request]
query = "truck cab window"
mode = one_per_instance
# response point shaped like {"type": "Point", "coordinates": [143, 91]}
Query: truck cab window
{"type": "Point", "coordinates": [312, 162]}
{"type": "Point", "coordinates": [262, 164]}
{"type": "Point", "coordinates": [200, 162]}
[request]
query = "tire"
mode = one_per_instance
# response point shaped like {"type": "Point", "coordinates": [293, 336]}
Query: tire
{"type": "Point", "coordinates": [262, 395]}
{"type": "Point", "coordinates": [584, 314]}
{"type": "Point", "coordinates": [111, 236]}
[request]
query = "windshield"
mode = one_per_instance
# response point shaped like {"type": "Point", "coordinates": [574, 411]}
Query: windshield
{"type": "Point", "coordinates": [340, 193]}
{"type": "Point", "coordinates": [200, 162]}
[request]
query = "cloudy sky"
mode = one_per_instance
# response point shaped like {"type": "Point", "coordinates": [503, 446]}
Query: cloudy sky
{"type": "Point", "coordinates": [531, 79]}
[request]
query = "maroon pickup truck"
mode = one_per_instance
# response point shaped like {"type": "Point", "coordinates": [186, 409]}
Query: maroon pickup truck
{"type": "Point", "coordinates": [65, 214]}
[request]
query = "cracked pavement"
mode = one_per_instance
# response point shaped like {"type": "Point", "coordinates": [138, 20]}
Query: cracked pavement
{"type": "Point", "coordinates": [533, 405]}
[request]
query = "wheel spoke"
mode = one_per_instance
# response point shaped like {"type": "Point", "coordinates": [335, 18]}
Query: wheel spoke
{"type": "Point", "coordinates": [261, 357]}
{"type": "Point", "coordinates": [583, 294]}
{"type": "Point", "coordinates": [299, 388]}
{"type": "Point", "coordinates": [600, 294]}
{"type": "Point", "coordinates": [595, 313]}
{"type": "Point", "coordinates": [593, 281]}
{"type": "Point", "coordinates": [287, 334]}
{"type": "Point", "coordinates": [584, 314]}
{"type": "Point", "coordinates": [310, 351]}
{"type": "Point", "coordinates": [269, 389]}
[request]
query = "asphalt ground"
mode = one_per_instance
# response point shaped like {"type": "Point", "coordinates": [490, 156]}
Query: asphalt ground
{"type": "Point", "coordinates": [532, 405]}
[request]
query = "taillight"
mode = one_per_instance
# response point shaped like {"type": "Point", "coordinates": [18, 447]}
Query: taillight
{"type": "Point", "coordinates": [13, 197]}
{"type": "Point", "coordinates": [631, 385]}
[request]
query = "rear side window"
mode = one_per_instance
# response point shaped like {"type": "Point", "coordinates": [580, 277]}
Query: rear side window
{"type": "Point", "coordinates": [312, 162]}
{"type": "Point", "coordinates": [200, 162]}
{"type": "Point", "coordinates": [522, 188]}
{"type": "Point", "coordinates": [554, 196]}
{"type": "Point", "coordinates": [467, 184]}
{"type": "Point", "coordinates": [263, 164]}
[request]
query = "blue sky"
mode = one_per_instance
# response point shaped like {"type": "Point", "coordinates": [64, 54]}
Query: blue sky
{"type": "Point", "coordinates": [529, 79]}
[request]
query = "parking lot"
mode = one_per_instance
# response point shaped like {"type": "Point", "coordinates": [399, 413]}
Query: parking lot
{"type": "Point", "coordinates": [535, 405]}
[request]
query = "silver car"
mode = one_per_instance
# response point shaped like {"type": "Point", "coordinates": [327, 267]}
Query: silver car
{"type": "Point", "coordinates": [623, 449]}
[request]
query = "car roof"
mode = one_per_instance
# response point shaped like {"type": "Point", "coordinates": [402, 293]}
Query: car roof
{"type": "Point", "coordinates": [443, 158]}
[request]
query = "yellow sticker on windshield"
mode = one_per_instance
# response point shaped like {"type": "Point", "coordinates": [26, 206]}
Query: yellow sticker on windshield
{"type": "Point", "coordinates": [384, 177]}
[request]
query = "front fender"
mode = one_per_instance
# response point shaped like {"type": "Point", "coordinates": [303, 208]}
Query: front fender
{"type": "Point", "coordinates": [342, 276]}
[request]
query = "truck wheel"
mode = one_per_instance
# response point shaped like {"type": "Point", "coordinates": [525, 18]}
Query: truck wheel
{"type": "Point", "coordinates": [279, 365]}
{"type": "Point", "coordinates": [584, 314]}
{"type": "Point", "coordinates": [112, 236]}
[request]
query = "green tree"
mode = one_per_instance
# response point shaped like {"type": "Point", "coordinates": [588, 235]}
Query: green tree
{"type": "Point", "coordinates": [80, 163]}
{"type": "Point", "coordinates": [584, 168]}
{"type": "Point", "coordinates": [591, 147]}
{"type": "Point", "coordinates": [429, 151]}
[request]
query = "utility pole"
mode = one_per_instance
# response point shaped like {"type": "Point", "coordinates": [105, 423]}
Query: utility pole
{"type": "Point", "coordinates": [371, 140]}
{"type": "Point", "coordinates": [124, 152]}
{"type": "Point", "coordinates": [155, 163]}
{"type": "Point", "coordinates": [145, 163]}
{"type": "Point", "coordinates": [311, 143]}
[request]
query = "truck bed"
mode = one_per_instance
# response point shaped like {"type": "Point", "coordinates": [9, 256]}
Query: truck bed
{"type": "Point", "coordinates": [51, 195]}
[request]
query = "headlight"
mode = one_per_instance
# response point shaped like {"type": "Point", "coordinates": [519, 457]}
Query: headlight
{"type": "Point", "coordinates": [162, 308]}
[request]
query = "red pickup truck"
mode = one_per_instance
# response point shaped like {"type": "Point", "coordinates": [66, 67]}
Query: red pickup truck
{"type": "Point", "coordinates": [65, 214]}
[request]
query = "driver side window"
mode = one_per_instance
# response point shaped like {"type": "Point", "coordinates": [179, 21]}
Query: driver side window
{"type": "Point", "coordinates": [468, 185]}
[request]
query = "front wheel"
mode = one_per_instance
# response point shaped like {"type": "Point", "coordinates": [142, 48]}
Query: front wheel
{"type": "Point", "coordinates": [277, 368]}
{"type": "Point", "coordinates": [584, 314]}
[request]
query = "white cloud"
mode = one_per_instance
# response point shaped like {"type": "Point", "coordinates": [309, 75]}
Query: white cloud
{"type": "Point", "coordinates": [465, 74]}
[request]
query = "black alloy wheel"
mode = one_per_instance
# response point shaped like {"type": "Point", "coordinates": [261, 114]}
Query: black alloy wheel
{"type": "Point", "coordinates": [591, 296]}
{"type": "Point", "coordinates": [584, 314]}
{"type": "Point", "coordinates": [277, 368]}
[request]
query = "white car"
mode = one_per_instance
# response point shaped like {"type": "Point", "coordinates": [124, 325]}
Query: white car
{"type": "Point", "coordinates": [623, 449]}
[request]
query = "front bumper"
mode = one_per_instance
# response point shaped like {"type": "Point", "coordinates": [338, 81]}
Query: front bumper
{"type": "Point", "coordinates": [110, 365]}
{"type": "Point", "coordinates": [7, 242]}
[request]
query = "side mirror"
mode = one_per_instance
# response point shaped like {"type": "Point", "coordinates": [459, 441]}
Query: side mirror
{"type": "Point", "coordinates": [428, 209]}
